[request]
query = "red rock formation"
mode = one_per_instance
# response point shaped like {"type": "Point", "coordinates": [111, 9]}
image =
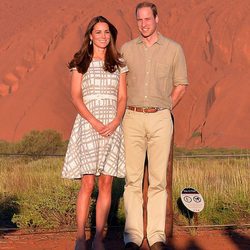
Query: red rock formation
{"type": "Point", "coordinates": [38, 38]}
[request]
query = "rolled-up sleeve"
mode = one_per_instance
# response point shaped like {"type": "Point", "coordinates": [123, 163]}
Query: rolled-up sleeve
{"type": "Point", "coordinates": [180, 68]}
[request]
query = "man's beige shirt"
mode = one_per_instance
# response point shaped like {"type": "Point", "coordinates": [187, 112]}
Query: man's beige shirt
{"type": "Point", "coordinates": [153, 72]}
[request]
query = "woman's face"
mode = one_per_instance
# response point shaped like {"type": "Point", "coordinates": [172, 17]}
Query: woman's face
{"type": "Point", "coordinates": [100, 35]}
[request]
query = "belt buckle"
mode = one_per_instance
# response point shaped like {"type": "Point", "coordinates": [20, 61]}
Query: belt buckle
{"type": "Point", "coordinates": [144, 108]}
{"type": "Point", "coordinates": [155, 109]}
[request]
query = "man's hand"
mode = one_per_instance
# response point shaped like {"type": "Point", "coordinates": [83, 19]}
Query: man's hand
{"type": "Point", "coordinates": [177, 94]}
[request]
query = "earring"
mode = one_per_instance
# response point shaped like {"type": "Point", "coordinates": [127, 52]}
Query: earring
{"type": "Point", "coordinates": [90, 42]}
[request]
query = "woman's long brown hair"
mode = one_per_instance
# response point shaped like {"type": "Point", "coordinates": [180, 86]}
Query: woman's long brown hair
{"type": "Point", "coordinates": [84, 56]}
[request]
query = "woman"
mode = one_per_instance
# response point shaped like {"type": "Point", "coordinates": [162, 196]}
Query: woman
{"type": "Point", "coordinates": [96, 147]}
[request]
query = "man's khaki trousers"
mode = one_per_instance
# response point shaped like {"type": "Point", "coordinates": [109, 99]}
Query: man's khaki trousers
{"type": "Point", "coordinates": [149, 133]}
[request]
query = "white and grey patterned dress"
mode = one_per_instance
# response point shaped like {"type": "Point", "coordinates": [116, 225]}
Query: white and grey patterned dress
{"type": "Point", "coordinates": [88, 152]}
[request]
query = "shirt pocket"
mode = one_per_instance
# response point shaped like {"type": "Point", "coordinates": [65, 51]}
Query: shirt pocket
{"type": "Point", "coordinates": [162, 76]}
{"type": "Point", "coordinates": [162, 70]}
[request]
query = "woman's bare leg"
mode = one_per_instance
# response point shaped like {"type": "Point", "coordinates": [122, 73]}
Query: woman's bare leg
{"type": "Point", "coordinates": [82, 208]}
{"type": "Point", "coordinates": [102, 208]}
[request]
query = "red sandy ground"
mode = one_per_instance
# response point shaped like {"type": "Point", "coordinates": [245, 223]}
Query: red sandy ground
{"type": "Point", "coordinates": [182, 240]}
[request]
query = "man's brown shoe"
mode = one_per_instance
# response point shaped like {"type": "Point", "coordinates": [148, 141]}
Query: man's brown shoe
{"type": "Point", "coordinates": [158, 246]}
{"type": "Point", "coordinates": [131, 246]}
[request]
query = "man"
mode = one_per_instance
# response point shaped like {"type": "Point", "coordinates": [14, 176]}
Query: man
{"type": "Point", "coordinates": [156, 82]}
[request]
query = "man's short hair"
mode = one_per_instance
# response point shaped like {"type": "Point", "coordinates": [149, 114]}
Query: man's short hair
{"type": "Point", "coordinates": [147, 4]}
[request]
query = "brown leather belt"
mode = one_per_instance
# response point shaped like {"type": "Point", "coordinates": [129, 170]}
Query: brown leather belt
{"type": "Point", "coordinates": [144, 110]}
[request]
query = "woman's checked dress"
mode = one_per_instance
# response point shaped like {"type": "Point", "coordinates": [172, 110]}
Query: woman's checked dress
{"type": "Point", "coordinates": [88, 152]}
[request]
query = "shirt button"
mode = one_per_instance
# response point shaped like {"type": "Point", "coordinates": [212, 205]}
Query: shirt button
{"type": "Point", "coordinates": [146, 83]}
{"type": "Point", "coordinates": [146, 96]}
{"type": "Point", "coordinates": [147, 72]}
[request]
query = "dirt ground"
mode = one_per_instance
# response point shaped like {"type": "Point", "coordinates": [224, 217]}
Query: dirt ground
{"type": "Point", "coordinates": [182, 240]}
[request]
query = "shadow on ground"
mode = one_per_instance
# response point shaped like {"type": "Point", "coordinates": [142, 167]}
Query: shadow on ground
{"type": "Point", "coordinates": [8, 207]}
{"type": "Point", "coordinates": [241, 241]}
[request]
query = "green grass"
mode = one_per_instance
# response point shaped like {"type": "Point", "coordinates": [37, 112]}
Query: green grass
{"type": "Point", "coordinates": [215, 151]}
{"type": "Point", "coordinates": [224, 184]}
{"type": "Point", "coordinates": [33, 194]}
{"type": "Point", "coordinates": [43, 198]}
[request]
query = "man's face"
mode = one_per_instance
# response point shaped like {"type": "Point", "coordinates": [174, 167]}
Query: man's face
{"type": "Point", "coordinates": [146, 21]}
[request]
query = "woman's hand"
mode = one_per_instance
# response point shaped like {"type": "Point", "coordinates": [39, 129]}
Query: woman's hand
{"type": "Point", "coordinates": [110, 127]}
{"type": "Point", "coordinates": [98, 126]}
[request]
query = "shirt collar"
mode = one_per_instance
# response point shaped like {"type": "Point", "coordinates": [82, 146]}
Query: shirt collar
{"type": "Point", "coordinates": [159, 40]}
